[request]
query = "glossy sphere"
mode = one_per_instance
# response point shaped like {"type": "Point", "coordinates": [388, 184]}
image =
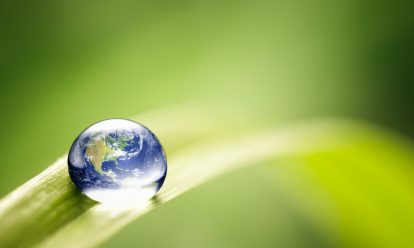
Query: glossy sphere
{"type": "Point", "coordinates": [117, 161]}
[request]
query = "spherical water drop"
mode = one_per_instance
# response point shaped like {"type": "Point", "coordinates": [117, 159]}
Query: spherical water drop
{"type": "Point", "coordinates": [117, 161]}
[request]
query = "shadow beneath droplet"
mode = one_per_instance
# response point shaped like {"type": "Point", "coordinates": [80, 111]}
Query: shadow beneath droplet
{"type": "Point", "coordinates": [155, 201]}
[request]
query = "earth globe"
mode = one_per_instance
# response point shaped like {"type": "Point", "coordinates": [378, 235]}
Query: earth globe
{"type": "Point", "coordinates": [117, 161]}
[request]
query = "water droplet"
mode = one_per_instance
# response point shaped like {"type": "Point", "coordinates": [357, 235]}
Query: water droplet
{"type": "Point", "coordinates": [117, 161]}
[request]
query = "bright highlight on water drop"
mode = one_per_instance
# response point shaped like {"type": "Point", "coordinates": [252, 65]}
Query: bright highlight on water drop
{"type": "Point", "coordinates": [117, 161]}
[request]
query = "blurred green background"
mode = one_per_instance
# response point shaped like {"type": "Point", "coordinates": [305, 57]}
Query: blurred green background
{"type": "Point", "coordinates": [67, 64]}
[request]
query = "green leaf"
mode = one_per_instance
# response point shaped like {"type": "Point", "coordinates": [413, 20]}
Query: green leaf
{"type": "Point", "coordinates": [48, 211]}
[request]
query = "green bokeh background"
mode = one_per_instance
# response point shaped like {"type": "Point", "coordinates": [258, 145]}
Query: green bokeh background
{"type": "Point", "coordinates": [67, 64]}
